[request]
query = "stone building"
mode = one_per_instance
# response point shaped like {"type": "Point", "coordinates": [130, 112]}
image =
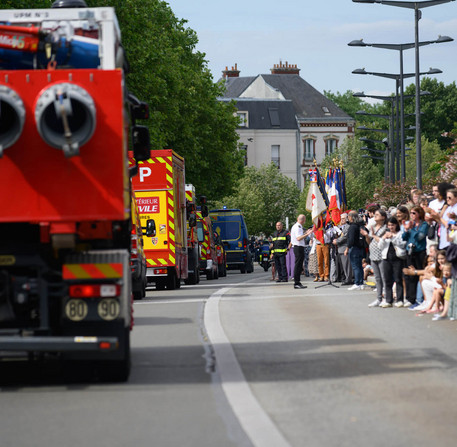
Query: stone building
{"type": "Point", "coordinates": [285, 120]}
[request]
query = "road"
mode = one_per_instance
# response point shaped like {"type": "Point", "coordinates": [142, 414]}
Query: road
{"type": "Point", "coordinates": [243, 361]}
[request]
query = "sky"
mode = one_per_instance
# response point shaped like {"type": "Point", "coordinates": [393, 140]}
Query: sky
{"type": "Point", "coordinates": [256, 34]}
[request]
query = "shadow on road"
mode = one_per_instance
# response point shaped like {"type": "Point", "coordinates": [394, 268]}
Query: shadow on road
{"type": "Point", "coordinates": [298, 360]}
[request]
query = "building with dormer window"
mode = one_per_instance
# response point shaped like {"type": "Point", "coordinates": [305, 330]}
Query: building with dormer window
{"type": "Point", "coordinates": [285, 120]}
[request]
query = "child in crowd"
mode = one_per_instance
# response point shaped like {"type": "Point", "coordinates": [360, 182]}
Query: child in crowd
{"type": "Point", "coordinates": [367, 269]}
{"type": "Point", "coordinates": [447, 280]}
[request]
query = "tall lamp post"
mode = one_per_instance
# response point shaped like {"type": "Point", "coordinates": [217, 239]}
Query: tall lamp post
{"type": "Point", "coordinates": [400, 108]}
{"type": "Point", "coordinates": [390, 149]}
{"type": "Point", "coordinates": [431, 71]}
{"type": "Point", "coordinates": [386, 152]}
{"type": "Point", "coordinates": [417, 6]}
{"type": "Point", "coordinates": [400, 165]}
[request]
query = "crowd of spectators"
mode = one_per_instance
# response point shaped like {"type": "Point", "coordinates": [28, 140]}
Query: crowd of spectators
{"type": "Point", "coordinates": [409, 252]}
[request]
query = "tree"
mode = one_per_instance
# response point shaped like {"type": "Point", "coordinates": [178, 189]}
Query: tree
{"type": "Point", "coordinates": [168, 73]}
{"type": "Point", "coordinates": [432, 158]}
{"type": "Point", "coordinates": [439, 109]}
{"type": "Point", "coordinates": [265, 196]}
{"type": "Point", "coordinates": [351, 104]}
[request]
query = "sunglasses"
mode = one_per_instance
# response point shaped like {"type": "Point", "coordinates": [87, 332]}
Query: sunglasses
{"type": "Point", "coordinates": [413, 212]}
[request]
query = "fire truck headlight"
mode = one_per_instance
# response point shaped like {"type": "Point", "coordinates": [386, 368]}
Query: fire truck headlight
{"type": "Point", "coordinates": [65, 116]}
{"type": "Point", "coordinates": [12, 117]}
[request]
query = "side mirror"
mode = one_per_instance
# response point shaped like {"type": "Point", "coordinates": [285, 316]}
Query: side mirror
{"type": "Point", "coordinates": [141, 143]}
{"type": "Point", "coordinates": [138, 109]}
{"type": "Point", "coordinates": [192, 221]}
{"type": "Point", "coordinates": [150, 228]}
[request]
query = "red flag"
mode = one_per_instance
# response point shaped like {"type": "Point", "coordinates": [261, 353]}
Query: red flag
{"type": "Point", "coordinates": [319, 230]}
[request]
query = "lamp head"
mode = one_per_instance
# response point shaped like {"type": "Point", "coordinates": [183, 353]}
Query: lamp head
{"type": "Point", "coordinates": [442, 39]}
{"type": "Point", "coordinates": [357, 43]}
{"type": "Point", "coordinates": [359, 71]}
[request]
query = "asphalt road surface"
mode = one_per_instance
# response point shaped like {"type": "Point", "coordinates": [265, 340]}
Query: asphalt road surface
{"type": "Point", "coordinates": [242, 361]}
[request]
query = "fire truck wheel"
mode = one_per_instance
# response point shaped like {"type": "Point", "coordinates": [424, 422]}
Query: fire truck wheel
{"type": "Point", "coordinates": [216, 273]}
{"type": "Point", "coordinates": [209, 275]}
{"type": "Point", "coordinates": [243, 269]}
{"type": "Point", "coordinates": [117, 370]}
{"type": "Point", "coordinates": [160, 284]}
{"type": "Point", "coordinates": [172, 281]}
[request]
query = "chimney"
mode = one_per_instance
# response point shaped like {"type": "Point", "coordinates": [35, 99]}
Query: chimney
{"type": "Point", "coordinates": [233, 73]}
{"type": "Point", "coordinates": [285, 69]}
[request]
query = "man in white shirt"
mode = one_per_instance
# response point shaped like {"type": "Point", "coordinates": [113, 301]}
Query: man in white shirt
{"type": "Point", "coordinates": [438, 203]}
{"type": "Point", "coordinates": [297, 239]}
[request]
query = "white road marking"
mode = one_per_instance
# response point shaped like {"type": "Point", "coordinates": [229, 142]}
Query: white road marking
{"type": "Point", "coordinates": [256, 423]}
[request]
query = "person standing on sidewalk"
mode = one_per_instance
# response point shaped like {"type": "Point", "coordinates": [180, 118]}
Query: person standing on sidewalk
{"type": "Point", "coordinates": [281, 241]}
{"type": "Point", "coordinates": [355, 250]}
{"type": "Point", "coordinates": [342, 242]}
{"type": "Point", "coordinates": [297, 238]}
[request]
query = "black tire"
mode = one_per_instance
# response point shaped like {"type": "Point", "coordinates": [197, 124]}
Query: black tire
{"type": "Point", "coordinates": [265, 267]}
{"type": "Point", "coordinates": [210, 275]}
{"type": "Point", "coordinates": [178, 282]}
{"type": "Point", "coordinates": [216, 273]}
{"type": "Point", "coordinates": [117, 370]}
{"type": "Point", "coordinates": [171, 283]}
{"type": "Point", "coordinates": [197, 273]}
{"type": "Point", "coordinates": [160, 284]}
{"type": "Point", "coordinates": [191, 279]}
{"type": "Point", "coordinates": [243, 269]}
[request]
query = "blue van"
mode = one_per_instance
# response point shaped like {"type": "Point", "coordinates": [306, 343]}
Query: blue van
{"type": "Point", "coordinates": [231, 227]}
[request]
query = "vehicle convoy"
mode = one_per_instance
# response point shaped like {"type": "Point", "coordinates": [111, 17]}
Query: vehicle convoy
{"type": "Point", "coordinates": [160, 195]}
{"type": "Point", "coordinates": [138, 262]}
{"type": "Point", "coordinates": [231, 227]}
{"type": "Point", "coordinates": [208, 253]}
{"type": "Point", "coordinates": [264, 255]}
{"type": "Point", "coordinates": [221, 255]}
{"type": "Point", "coordinates": [193, 246]}
{"type": "Point", "coordinates": [65, 221]}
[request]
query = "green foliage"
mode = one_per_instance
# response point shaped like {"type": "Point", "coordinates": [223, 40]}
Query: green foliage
{"type": "Point", "coordinates": [362, 176]}
{"type": "Point", "coordinates": [265, 196]}
{"type": "Point", "coordinates": [439, 110]}
{"type": "Point", "coordinates": [352, 104]}
{"type": "Point", "coordinates": [432, 160]}
{"type": "Point", "coordinates": [169, 74]}
{"type": "Point", "coordinates": [26, 4]}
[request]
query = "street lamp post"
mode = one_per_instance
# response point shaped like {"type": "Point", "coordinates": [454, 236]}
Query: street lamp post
{"type": "Point", "coordinates": [400, 85]}
{"type": "Point", "coordinates": [386, 152]}
{"type": "Point", "coordinates": [417, 6]}
{"type": "Point", "coordinates": [390, 148]}
{"type": "Point", "coordinates": [431, 71]}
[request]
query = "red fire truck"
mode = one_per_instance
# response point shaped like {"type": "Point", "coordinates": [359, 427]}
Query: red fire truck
{"type": "Point", "coordinates": [65, 224]}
